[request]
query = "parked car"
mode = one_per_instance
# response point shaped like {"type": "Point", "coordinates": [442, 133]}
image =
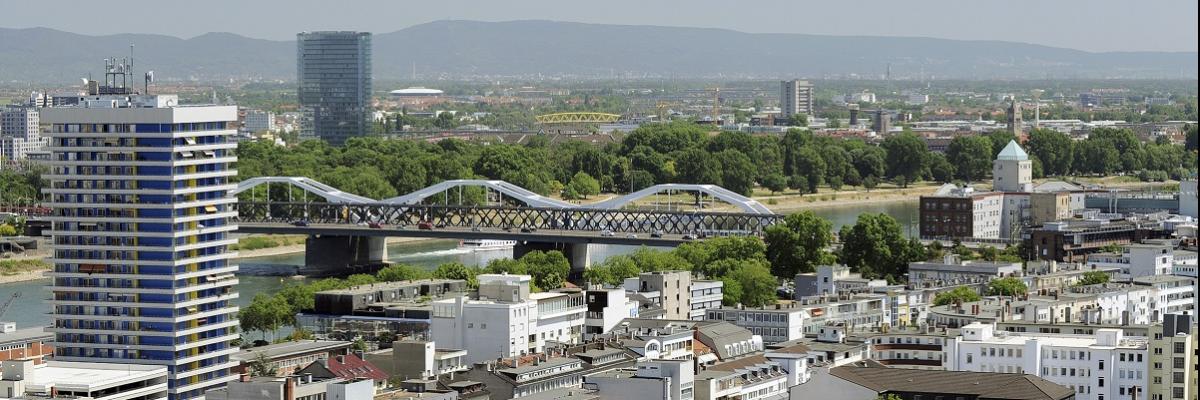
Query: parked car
{"type": "Point", "coordinates": [658, 233]}
{"type": "Point", "coordinates": [526, 229]}
{"type": "Point", "coordinates": [689, 237]}
{"type": "Point", "coordinates": [374, 225]}
{"type": "Point", "coordinates": [425, 225]}
{"type": "Point", "coordinates": [606, 233]}
{"type": "Point", "coordinates": [300, 223]}
{"type": "Point", "coordinates": [631, 236]}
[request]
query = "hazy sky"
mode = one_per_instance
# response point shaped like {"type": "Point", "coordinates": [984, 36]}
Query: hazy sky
{"type": "Point", "coordinates": [1094, 25]}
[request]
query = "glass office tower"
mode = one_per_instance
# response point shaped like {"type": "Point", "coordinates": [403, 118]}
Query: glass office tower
{"type": "Point", "coordinates": [142, 273]}
{"type": "Point", "coordinates": [334, 73]}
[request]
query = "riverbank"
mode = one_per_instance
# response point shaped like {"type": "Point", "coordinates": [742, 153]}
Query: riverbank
{"type": "Point", "coordinates": [294, 248]}
{"type": "Point", "coordinates": [19, 270]}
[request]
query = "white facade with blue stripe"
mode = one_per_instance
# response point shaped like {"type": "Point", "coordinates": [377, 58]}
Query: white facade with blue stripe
{"type": "Point", "coordinates": [140, 188]}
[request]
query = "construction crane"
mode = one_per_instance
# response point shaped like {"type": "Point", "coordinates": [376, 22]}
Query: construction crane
{"type": "Point", "coordinates": [716, 106]}
{"type": "Point", "coordinates": [663, 109]}
{"type": "Point", "coordinates": [8, 303]}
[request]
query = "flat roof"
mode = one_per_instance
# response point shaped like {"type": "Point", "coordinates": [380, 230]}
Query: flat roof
{"type": "Point", "coordinates": [89, 376]}
{"type": "Point", "coordinates": [25, 335]}
{"type": "Point", "coordinates": [983, 384]}
{"type": "Point", "coordinates": [288, 348]}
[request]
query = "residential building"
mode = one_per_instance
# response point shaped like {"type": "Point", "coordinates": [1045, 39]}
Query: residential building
{"type": "Point", "coordinates": [294, 387]}
{"type": "Point", "coordinates": [761, 379]}
{"type": "Point", "coordinates": [1171, 294]}
{"type": "Point", "coordinates": [1173, 358]}
{"type": "Point", "coordinates": [24, 344]}
{"type": "Point", "coordinates": [961, 212]}
{"type": "Point", "coordinates": [652, 380]}
{"type": "Point", "coordinates": [727, 341]}
{"type": "Point", "coordinates": [830, 280]}
{"type": "Point", "coordinates": [506, 320]}
{"type": "Point", "coordinates": [605, 309]}
{"type": "Point", "coordinates": [856, 383]}
{"type": "Point", "coordinates": [796, 97]}
{"type": "Point", "coordinates": [657, 339]}
{"type": "Point", "coordinates": [419, 359]}
{"type": "Point", "coordinates": [953, 271]}
{"type": "Point", "coordinates": [288, 357]}
{"type": "Point", "coordinates": [334, 74]}
{"type": "Point", "coordinates": [348, 367]}
{"type": "Point", "coordinates": [774, 324]}
{"type": "Point", "coordinates": [258, 121]}
{"type": "Point", "coordinates": [920, 347]}
{"type": "Point", "coordinates": [669, 289]}
{"type": "Point", "coordinates": [1106, 365]}
{"type": "Point", "coordinates": [25, 379]}
{"type": "Point", "coordinates": [20, 132]}
{"type": "Point", "coordinates": [917, 99]}
{"type": "Point", "coordinates": [792, 320]}
{"type": "Point", "coordinates": [1136, 260]}
{"type": "Point", "coordinates": [1049, 207]}
{"type": "Point", "coordinates": [705, 294]}
{"type": "Point", "coordinates": [1074, 239]}
{"type": "Point", "coordinates": [140, 188]}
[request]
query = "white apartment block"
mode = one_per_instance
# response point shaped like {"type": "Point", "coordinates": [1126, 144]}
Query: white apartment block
{"type": "Point", "coordinates": [507, 320]}
{"type": "Point", "coordinates": [1106, 365]}
{"type": "Point", "coordinates": [785, 322]}
{"type": "Point", "coordinates": [20, 133]}
{"type": "Point", "coordinates": [1136, 260]}
{"type": "Point", "coordinates": [669, 289]}
{"type": "Point", "coordinates": [795, 97]}
{"type": "Point", "coordinates": [829, 280]}
{"type": "Point", "coordinates": [1185, 263]}
{"type": "Point", "coordinates": [706, 294]}
{"type": "Point", "coordinates": [652, 380]}
{"type": "Point", "coordinates": [605, 309]}
{"type": "Point", "coordinates": [1171, 294]}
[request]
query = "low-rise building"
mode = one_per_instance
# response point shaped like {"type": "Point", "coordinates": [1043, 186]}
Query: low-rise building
{"type": "Point", "coordinates": [953, 271]}
{"type": "Point", "coordinates": [856, 383]}
{"type": "Point", "coordinates": [295, 387]}
{"type": "Point", "coordinates": [1171, 294]}
{"type": "Point", "coordinates": [1105, 365]}
{"type": "Point", "coordinates": [1074, 239]}
{"type": "Point", "coordinates": [419, 359]}
{"type": "Point", "coordinates": [348, 367]}
{"type": "Point", "coordinates": [1136, 260]}
{"type": "Point", "coordinates": [25, 379]}
{"type": "Point", "coordinates": [671, 290]}
{"type": "Point", "coordinates": [1173, 358]}
{"type": "Point", "coordinates": [605, 309]}
{"type": "Point", "coordinates": [506, 320]}
{"type": "Point", "coordinates": [706, 294]}
{"type": "Point", "coordinates": [288, 357]}
{"type": "Point", "coordinates": [759, 377]}
{"type": "Point", "coordinates": [829, 280]}
{"type": "Point", "coordinates": [650, 380]}
{"type": "Point", "coordinates": [27, 343]}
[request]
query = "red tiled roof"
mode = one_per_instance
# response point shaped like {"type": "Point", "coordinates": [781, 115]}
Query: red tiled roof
{"type": "Point", "coordinates": [350, 366]}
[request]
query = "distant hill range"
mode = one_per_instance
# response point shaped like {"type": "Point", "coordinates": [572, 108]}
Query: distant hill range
{"type": "Point", "coordinates": [469, 48]}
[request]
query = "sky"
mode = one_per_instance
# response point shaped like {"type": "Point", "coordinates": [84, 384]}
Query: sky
{"type": "Point", "coordinates": [1090, 25]}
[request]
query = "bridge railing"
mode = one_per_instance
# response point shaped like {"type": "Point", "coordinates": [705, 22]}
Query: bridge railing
{"type": "Point", "coordinates": [499, 217]}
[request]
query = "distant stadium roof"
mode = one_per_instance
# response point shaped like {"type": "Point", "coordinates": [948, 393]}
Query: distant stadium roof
{"type": "Point", "coordinates": [416, 91]}
{"type": "Point", "coordinates": [1013, 152]}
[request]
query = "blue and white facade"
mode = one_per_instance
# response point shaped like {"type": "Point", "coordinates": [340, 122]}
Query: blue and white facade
{"type": "Point", "coordinates": [142, 270]}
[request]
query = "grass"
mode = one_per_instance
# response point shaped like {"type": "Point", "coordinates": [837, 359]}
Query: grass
{"type": "Point", "coordinates": [266, 242]}
{"type": "Point", "coordinates": [13, 267]}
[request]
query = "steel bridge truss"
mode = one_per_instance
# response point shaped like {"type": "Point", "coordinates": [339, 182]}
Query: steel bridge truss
{"type": "Point", "coordinates": [499, 217]}
{"type": "Point", "coordinates": [576, 118]}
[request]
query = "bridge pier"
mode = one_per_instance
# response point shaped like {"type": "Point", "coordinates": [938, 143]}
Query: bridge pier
{"type": "Point", "coordinates": [576, 253]}
{"type": "Point", "coordinates": [335, 255]}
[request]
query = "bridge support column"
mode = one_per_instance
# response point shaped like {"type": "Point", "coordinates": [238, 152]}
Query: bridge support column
{"type": "Point", "coordinates": [576, 253]}
{"type": "Point", "coordinates": [340, 255]}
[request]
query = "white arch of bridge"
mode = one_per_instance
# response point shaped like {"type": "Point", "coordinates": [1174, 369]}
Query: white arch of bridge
{"type": "Point", "coordinates": [529, 198]}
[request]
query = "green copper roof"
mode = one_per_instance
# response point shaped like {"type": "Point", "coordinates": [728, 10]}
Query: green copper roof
{"type": "Point", "coordinates": [1013, 151]}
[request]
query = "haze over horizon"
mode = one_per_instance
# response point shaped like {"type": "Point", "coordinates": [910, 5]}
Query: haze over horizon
{"type": "Point", "coordinates": [1095, 26]}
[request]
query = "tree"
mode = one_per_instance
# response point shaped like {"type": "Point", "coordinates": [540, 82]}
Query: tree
{"type": "Point", "coordinates": [1008, 286]}
{"type": "Point", "coordinates": [548, 269]}
{"type": "Point", "coordinates": [731, 291]}
{"type": "Point", "coordinates": [454, 270]}
{"type": "Point", "coordinates": [399, 272]}
{"type": "Point", "coordinates": [870, 161]}
{"type": "Point", "coordinates": [265, 314]}
{"type": "Point", "coordinates": [810, 167]}
{"type": "Point", "coordinates": [584, 185]}
{"type": "Point", "coordinates": [1093, 278]}
{"type": "Point", "coordinates": [737, 171]}
{"type": "Point", "coordinates": [697, 166]}
{"type": "Point", "coordinates": [940, 169]}
{"type": "Point", "coordinates": [875, 246]}
{"type": "Point", "coordinates": [961, 294]}
{"type": "Point", "coordinates": [8, 230]}
{"type": "Point", "coordinates": [757, 284]}
{"type": "Point", "coordinates": [798, 244]}
{"type": "Point", "coordinates": [906, 160]}
{"type": "Point", "coordinates": [1054, 149]}
{"type": "Point", "coordinates": [798, 120]}
{"type": "Point", "coordinates": [774, 182]}
{"type": "Point", "coordinates": [971, 157]}
{"type": "Point", "coordinates": [261, 365]}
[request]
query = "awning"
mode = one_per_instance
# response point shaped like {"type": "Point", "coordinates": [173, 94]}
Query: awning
{"type": "Point", "coordinates": [210, 209]}
{"type": "Point", "coordinates": [190, 141]}
{"type": "Point", "coordinates": [186, 154]}
{"type": "Point", "coordinates": [222, 277]}
{"type": "Point", "coordinates": [210, 153]}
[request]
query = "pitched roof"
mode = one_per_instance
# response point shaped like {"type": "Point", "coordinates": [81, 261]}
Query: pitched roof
{"type": "Point", "coordinates": [987, 385]}
{"type": "Point", "coordinates": [1013, 151]}
{"type": "Point", "coordinates": [349, 367]}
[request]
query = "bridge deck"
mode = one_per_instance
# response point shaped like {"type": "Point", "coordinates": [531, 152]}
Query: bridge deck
{"type": "Point", "coordinates": [548, 236]}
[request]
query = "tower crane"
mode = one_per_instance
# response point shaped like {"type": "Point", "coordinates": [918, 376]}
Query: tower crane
{"type": "Point", "coordinates": [4, 307]}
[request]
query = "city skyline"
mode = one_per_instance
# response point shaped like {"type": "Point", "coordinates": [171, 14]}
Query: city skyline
{"type": "Point", "coordinates": [1027, 21]}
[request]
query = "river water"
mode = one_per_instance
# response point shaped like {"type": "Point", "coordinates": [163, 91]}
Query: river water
{"type": "Point", "coordinates": [260, 274]}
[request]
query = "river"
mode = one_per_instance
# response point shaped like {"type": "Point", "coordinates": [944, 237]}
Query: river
{"type": "Point", "coordinates": [31, 308]}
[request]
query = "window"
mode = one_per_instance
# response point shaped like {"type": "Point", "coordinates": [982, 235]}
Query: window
{"type": "Point", "coordinates": [1179, 347]}
{"type": "Point", "coordinates": [1177, 363]}
{"type": "Point", "coordinates": [1101, 365]}
{"type": "Point", "coordinates": [1139, 357]}
{"type": "Point", "coordinates": [1101, 382]}
{"type": "Point", "coordinates": [1122, 357]}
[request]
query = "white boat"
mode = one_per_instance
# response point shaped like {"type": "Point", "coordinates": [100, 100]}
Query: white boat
{"type": "Point", "coordinates": [486, 244]}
